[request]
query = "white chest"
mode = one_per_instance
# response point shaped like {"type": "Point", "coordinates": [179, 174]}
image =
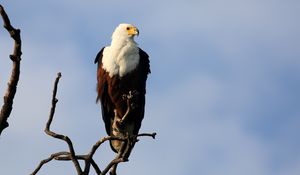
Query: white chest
{"type": "Point", "coordinates": [120, 61]}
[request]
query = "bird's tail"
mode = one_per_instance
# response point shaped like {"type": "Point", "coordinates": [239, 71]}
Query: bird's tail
{"type": "Point", "coordinates": [114, 144]}
{"type": "Point", "coordinates": [123, 147]}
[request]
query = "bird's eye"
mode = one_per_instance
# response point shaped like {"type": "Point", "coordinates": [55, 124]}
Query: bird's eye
{"type": "Point", "coordinates": [127, 28]}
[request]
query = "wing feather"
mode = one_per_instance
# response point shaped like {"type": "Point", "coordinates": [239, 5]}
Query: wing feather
{"type": "Point", "coordinates": [103, 97]}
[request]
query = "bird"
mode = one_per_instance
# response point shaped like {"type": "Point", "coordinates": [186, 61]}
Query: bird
{"type": "Point", "coordinates": [122, 72]}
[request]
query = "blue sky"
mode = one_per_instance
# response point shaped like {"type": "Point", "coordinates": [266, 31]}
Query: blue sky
{"type": "Point", "coordinates": [223, 95]}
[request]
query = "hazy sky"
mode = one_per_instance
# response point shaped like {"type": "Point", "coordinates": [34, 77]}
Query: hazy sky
{"type": "Point", "coordinates": [223, 95]}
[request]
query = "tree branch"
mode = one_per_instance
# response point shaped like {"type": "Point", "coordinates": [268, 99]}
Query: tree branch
{"type": "Point", "coordinates": [53, 156]}
{"type": "Point", "coordinates": [88, 158]}
{"type": "Point", "coordinates": [14, 78]}
{"type": "Point", "coordinates": [59, 136]}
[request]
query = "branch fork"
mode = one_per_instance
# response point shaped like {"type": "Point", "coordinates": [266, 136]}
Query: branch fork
{"type": "Point", "coordinates": [87, 158]}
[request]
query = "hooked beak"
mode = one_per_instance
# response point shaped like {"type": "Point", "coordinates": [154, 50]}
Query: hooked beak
{"type": "Point", "coordinates": [133, 31]}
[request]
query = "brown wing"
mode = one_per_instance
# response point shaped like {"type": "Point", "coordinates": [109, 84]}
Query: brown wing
{"type": "Point", "coordinates": [103, 96]}
{"type": "Point", "coordinates": [142, 74]}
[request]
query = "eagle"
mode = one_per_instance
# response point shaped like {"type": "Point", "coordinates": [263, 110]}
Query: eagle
{"type": "Point", "coordinates": [122, 73]}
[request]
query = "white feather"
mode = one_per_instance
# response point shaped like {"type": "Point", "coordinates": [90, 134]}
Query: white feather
{"type": "Point", "coordinates": [122, 56]}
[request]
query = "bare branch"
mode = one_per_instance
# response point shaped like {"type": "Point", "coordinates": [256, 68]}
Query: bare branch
{"type": "Point", "coordinates": [114, 162]}
{"type": "Point", "coordinates": [53, 156]}
{"type": "Point", "coordinates": [153, 135]}
{"type": "Point", "coordinates": [14, 78]}
{"type": "Point", "coordinates": [59, 136]}
{"type": "Point", "coordinates": [126, 146]}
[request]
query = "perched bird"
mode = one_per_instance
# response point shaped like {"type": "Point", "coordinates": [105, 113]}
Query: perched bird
{"type": "Point", "coordinates": [122, 72]}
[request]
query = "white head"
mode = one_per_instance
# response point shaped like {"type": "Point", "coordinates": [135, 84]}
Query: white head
{"type": "Point", "coordinates": [125, 31]}
{"type": "Point", "coordinates": [122, 56]}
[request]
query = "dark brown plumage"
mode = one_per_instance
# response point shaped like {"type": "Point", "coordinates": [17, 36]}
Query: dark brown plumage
{"type": "Point", "coordinates": [111, 91]}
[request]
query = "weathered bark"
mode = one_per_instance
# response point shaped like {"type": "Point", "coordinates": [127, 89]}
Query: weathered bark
{"type": "Point", "coordinates": [14, 78]}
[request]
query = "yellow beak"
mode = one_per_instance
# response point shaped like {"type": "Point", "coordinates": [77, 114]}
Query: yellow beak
{"type": "Point", "coordinates": [133, 31]}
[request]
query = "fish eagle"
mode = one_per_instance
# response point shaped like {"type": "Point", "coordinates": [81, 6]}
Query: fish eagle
{"type": "Point", "coordinates": [122, 72]}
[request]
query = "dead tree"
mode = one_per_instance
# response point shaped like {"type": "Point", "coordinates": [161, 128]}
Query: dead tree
{"type": "Point", "coordinates": [14, 78]}
{"type": "Point", "coordinates": [87, 158]}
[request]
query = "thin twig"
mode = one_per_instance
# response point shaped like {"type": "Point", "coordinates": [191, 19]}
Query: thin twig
{"type": "Point", "coordinates": [53, 156]}
{"type": "Point", "coordinates": [14, 78]}
{"type": "Point", "coordinates": [153, 135]}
